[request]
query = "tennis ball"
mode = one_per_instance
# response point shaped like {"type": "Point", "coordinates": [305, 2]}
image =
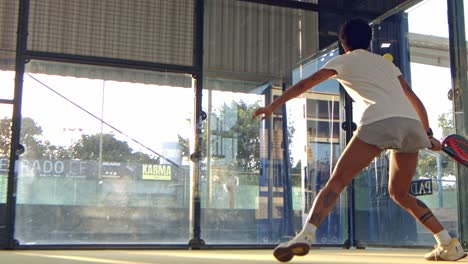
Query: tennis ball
{"type": "Point", "coordinates": [388, 56]}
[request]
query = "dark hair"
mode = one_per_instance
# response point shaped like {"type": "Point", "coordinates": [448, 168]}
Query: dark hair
{"type": "Point", "coordinates": [356, 34]}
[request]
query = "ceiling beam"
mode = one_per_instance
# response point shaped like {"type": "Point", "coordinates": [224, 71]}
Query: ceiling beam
{"type": "Point", "coordinates": [314, 7]}
{"type": "Point", "coordinates": [286, 3]}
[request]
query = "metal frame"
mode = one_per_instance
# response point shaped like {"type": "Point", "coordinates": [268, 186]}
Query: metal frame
{"type": "Point", "coordinates": [16, 123]}
{"type": "Point", "coordinates": [348, 126]}
{"type": "Point", "coordinates": [197, 242]}
{"type": "Point", "coordinates": [109, 62]}
{"type": "Point", "coordinates": [287, 3]}
{"type": "Point", "coordinates": [23, 55]}
{"type": "Point", "coordinates": [287, 221]}
{"type": "Point", "coordinates": [309, 6]}
{"type": "Point", "coordinates": [459, 67]}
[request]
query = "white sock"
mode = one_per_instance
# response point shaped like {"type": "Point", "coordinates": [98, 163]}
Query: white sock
{"type": "Point", "coordinates": [309, 229]}
{"type": "Point", "coordinates": [443, 238]}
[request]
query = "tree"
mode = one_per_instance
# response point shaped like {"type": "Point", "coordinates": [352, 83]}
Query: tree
{"type": "Point", "coordinates": [245, 130]}
{"type": "Point", "coordinates": [5, 136]}
{"type": "Point", "coordinates": [113, 150]}
{"type": "Point", "coordinates": [89, 148]}
{"type": "Point", "coordinates": [427, 164]}
{"type": "Point", "coordinates": [234, 123]}
{"type": "Point", "coordinates": [143, 158]}
{"type": "Point", "coordinates": [446, 123]}
{"type": "Point", "coordinates": [29, 138]}
{"type": "Point", "coordinates": [242, 129]}
{"type": "Point", "coordinates": [56, 152]}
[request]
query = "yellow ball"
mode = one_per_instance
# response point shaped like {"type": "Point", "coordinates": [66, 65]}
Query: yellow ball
{"type": "Point", "coordinates": [388, 56]}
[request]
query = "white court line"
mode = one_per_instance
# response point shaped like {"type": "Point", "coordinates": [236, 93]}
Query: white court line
{"type": "Point", "coordinates": [86, 259]}
{"type": "Point", "coordinates": [207, 255]}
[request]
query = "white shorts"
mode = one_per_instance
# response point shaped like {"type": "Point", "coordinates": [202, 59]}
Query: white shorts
{"type": "Point", "coordinates": [398, 133]}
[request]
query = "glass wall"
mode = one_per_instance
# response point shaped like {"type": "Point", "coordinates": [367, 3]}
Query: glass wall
{"type": "Point", "coordinates": [106, 158]}
{"type": "Point", "coordinates": [251, 188]}
{"type": "Point", "coordinates": [6, 111]}
{"type": "Point", "coordinates": [321, 118]}
{"type": "Point", "coordinates": [107, 150]}
{"type": "Point", "coordinates": [260, 176]}
{"type": "Point", "coordinates": [434, 75]}
{"type": "Point", "coordinates": [427, 68]}
{"type": "Point", "coordinates": [230, 170]}
{"type": "Point", "coordinates": [461, 119]}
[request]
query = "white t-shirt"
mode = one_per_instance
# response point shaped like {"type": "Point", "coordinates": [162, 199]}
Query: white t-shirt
{"type": "Point", "coordinates": [372, 81]}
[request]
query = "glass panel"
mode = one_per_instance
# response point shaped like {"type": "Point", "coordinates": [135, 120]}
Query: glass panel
{"type": "Point", "coordinates": [8, 85]}
{"type": "Point", "coordinates": [428, 72]}
{"type": "Point", "coordinates": [323, 132]}
{"type": "Point", "coordinates": [259, 189]}
{"type": "Point", "coordinates": [435, 75]}
{"type": "Point", "coordinates": [5, 139]}
{"type": "Point", "coordinates": [231, 174]}
{"type": "Point", "coordinates": [251, 185]}
{"type": "Point", "coordinates": [104, 159]}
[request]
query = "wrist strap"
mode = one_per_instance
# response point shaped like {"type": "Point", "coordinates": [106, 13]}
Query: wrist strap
{"type": "Point", "coordinates": [430, 133]}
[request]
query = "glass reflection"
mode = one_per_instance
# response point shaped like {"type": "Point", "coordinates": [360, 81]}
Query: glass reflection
{"type": "Point", "coordinates": [104, 161]}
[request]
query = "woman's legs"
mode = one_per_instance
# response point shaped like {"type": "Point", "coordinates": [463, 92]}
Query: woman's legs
{"type": "Point", "coordinates": [356, 156]}
{"type": "Point", "coordinates": [402, 170]}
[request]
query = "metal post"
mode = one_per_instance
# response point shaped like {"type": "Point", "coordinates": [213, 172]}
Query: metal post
{"type": "Point", "coordinates": [195, 211]}
{"type": "Point", "coordinates": [21, 44]}
{"type": "Point", "coordinates": [288, 212]}
{"type": "Point", "coordinates": [349, 127]}
{"type": "Point", "coordinates": [269, 163]}
{"type": "Point", "coordinates": [458, 66]}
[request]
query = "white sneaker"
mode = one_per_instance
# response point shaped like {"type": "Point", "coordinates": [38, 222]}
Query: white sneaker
{"type": "Point", "coordinates": [298, 246]}
{"type": "Point", "coordinates": [452, 252]}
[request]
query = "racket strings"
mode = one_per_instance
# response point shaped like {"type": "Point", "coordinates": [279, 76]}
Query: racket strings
{"type": "Point", "coordinates": [459, 146]}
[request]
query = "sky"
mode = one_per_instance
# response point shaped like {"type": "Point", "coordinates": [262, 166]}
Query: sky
{"type": "Point", "coordinates": [429, 17]}
{"type": "Point", "coordinates": [149, 114]}
{"type": "Point", "coordinates": [430, 83]}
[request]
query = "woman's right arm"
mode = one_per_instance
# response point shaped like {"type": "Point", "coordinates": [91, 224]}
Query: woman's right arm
{"type": "Point", "coordinates": [295, 90]}
{"type": "Point", "coordinates": [420, 110]}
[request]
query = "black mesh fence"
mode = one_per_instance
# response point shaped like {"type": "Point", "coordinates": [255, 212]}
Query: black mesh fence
{"type": "Point", "coordinates": [8, 27]}
{"type": "Point", "coordinates": [157, 31]}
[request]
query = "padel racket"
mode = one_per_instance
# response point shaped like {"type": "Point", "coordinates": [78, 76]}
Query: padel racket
{"type": "Point", "coordinates": [456, 147]}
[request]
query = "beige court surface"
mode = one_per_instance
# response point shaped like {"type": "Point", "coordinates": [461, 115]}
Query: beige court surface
{"type": "Point", "coordinates": [208, 256]}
